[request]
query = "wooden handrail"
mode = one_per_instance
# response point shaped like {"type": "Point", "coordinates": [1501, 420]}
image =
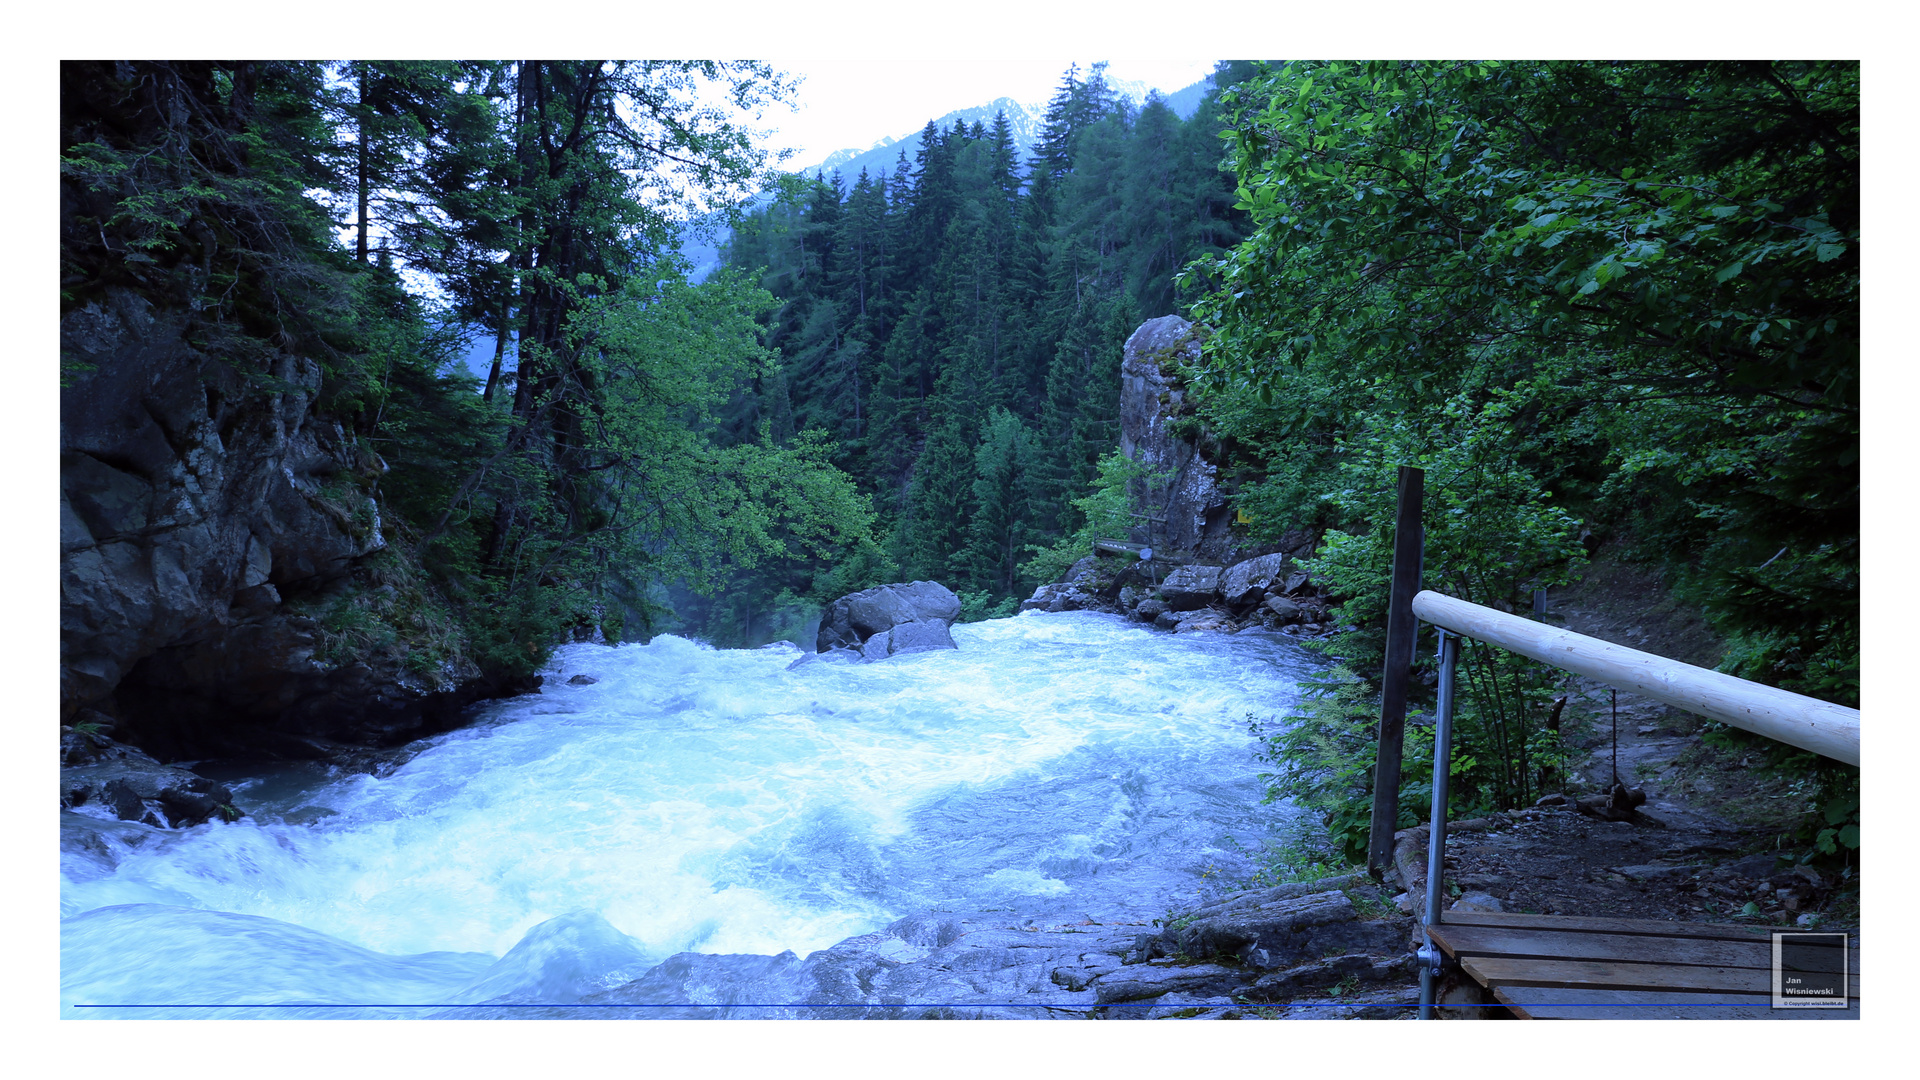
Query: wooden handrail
{"type": "Point", "coordinates": [1811, 724]}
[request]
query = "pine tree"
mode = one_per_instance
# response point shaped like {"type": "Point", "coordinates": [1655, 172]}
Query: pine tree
{"type": "Point", "coordinates": [1002, 493]}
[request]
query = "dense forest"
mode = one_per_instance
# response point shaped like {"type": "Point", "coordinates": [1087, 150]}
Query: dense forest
{"type": "Point", "coordinates": [954, 328]}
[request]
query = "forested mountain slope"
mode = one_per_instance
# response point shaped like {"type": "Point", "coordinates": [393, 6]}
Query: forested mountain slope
{"type": "Point", "coordinates": [955, 326]}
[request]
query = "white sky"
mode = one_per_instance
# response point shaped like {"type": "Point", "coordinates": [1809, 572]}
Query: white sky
{"type": "Point", "coordinates": [854, 103]}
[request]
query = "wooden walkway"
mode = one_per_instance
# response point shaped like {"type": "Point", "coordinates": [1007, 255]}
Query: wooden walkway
{"type": "Point", "coordinates": [1557, 967]}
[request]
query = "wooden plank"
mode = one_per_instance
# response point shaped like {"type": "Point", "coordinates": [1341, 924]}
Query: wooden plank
{"type": "Point", "coordinates": [1516, 944]}
{"type": "Point", "coordinates": [1544, 1003]}
{"type": "Point", "coordinates": [1398, 670]}
{"type": "Point", "coordinates": [1495, 972]}
{"type": "Point", "coordinates": [1601, 925]}
{"type": "Point", "coordinates": [1808, 723]}
{"type": "Point", "coordinates": [1520, 943]}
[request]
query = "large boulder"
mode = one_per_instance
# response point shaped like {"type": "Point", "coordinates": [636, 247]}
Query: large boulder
{"type": "Point", "coordinates": [1091, 584]}
{"type": "Point", "coordinates": [183, 486]}
{"type": "Point", "coordinates": [1189, 588]}
{"type": "Point", "coordinates": [891, 619]}
{"type": "Point", "coordinates": [1247, 583]}
{"type": "Point", "coordinates": [908, 637]}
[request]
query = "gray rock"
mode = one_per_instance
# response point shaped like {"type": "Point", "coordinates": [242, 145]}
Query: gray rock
{"type": "Point", "coordinates": [875, 610]}
{"type": "Point", "coordinates": [1149, 609]}
{"type": "Point", "coordinates": [1151, 399]}
{"type": "Point", "coordinates": [853, 620]}
{"type": "Point", "coordinates": [908, 637]}
{"type": "Point", "coordinates": [1652, 872]}
{"type": "Point", "coordinates": [1152, 980]}
{"type": "Point", "coordinates": [1753, 866]}
{"type": "Point", "coordinates": [1188, 588]}
{"type": "Point", "coordinates": [125, 802]}
{"type": "Point", "coordinates": [1314, 976]}
{"type": "Point", "coordinates": [192, 495]}
{"type": "Point", "coordinates": [137, 788]}
{"type": "Point", "coordinates": [1167, 620]}
{"type": "Point", "coordinates": [1286, 932]}
{"type": "Point", "coordinates": [1062, 596]}
{"type": "Point", "coordinates": [1284, 611]}
{"type": "Point", "coordinates": [994, 966]}
{"type": "Point", "coordinates": [1247, 583]}
{"type": "Point", "coordinates": [1204, 622]}
{"type": "Point", "coordinates": [1477, 901]}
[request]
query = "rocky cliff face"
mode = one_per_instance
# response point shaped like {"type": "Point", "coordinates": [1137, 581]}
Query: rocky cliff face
{"type": "Point", "coordinates": [1159, 430]}
{"type": "Point", "coordinates": [200, 507]}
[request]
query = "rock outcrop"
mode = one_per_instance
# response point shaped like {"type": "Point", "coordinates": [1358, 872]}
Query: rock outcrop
{"type": "Point", "coordinates": [200, 506]}
{"type": "Point", "coordinates": [888, 620]}
{"type": "Point", "coordinates": [1159, 429]}
{"type": "Point", "coordinates": [1153, 402]}
{"type": "Point", "coordinates": [1091, 584]}
{"type": "Point", "coordinates": [105, 777]}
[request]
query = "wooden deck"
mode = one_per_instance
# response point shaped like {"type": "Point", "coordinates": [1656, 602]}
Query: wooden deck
{"type": "Point", "coordinates": [1548, 967]}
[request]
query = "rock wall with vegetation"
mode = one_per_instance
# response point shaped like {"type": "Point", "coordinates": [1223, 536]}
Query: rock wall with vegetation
{"type": "Point", "coordinates": [210, 523]}
{"type": "Point", "coordinates": [292, 523]}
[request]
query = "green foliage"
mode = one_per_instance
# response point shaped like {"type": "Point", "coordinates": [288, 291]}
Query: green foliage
{"type": "Point", "coordinates": [979, 605]}
{"type": "Point", "coordinates": [1297, 854]}
{"type": "Point", "coordinates": [1106, 511]}
{"type": "Point", "coordinates": [1003, 490]}
{"type": "Point", "coordinates": [1322, 757]}
{"type": "Point", "coordinates": [1584, 297]}
{"type": "Point", "coordinates": [1646, 274]}
{"type": "Point", "coordinates": [595, 468]}
{"type": "Point", "coordinates": [1322, 754]}
{"type": "Point", "coordinates": [1821, 796]}
{"type": "Point", "coordinates": [186, 184]}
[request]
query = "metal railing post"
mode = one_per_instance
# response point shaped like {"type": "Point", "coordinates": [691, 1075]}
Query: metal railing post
{"type": "Point", "coordinates": [1430, 957]}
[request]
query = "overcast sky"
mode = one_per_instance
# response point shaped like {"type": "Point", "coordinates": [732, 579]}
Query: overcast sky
{"type": "Point", "coordinates": [854, 103]}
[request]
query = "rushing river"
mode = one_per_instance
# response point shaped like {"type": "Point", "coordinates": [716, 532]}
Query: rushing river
{"type": "Point", "coordinates": [694, 799]}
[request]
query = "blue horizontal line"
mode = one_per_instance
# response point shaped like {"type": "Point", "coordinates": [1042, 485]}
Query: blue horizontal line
{"type": "Point", "coordinates": [977, 1005]}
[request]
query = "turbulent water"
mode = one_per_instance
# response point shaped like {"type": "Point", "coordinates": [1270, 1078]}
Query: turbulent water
{"type": "Point", "coordinates": [702, 800]}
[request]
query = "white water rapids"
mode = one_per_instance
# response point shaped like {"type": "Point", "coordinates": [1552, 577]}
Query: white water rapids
{"type": "Point", "coordinates": [702, 800]}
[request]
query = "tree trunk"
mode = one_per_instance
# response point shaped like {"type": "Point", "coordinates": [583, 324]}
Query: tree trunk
{"type": "Point", "coordinates": [360, 240]}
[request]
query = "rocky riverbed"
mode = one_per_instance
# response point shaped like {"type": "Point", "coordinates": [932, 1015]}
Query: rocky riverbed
{"type": "Point", "coordinates": [1326, 948]}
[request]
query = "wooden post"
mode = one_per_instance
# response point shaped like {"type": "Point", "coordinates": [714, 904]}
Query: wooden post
{"type": "Point", "coordinates": [1399, 665]}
